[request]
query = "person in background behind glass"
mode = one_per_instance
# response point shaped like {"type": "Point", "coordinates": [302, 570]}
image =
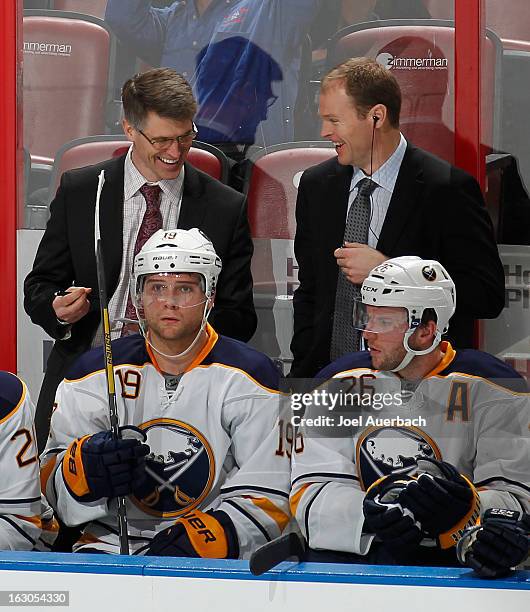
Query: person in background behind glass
{"type": "Point", "coordinates": [176, 36]}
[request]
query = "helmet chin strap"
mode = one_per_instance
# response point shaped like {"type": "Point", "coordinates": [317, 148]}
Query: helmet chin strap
{"type": "Point", "coordinates": [205, 315]}
{"type": "Point", "coordinates": [411, 353]}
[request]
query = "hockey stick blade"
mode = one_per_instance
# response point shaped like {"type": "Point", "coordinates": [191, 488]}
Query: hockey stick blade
{"type": "Point", "coordinates": [271, 554]}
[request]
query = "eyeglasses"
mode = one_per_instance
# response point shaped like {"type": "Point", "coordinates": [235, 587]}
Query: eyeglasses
{"type": "Point", "coordinates": [162, 143]}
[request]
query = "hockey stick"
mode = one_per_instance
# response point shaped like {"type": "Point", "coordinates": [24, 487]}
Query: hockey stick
{"type": "Point", "coordinates": [109, 369]}
{"type": "Point", "coordinates": [271, 554]}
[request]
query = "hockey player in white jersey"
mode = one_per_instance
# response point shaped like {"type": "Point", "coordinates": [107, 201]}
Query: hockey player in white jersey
{"type": "Point", "coordinates": [199, 421]}
{"type": "Point", "coordinates": [421, 441]}
{"type": "Point", "coordinates": [21, 510]}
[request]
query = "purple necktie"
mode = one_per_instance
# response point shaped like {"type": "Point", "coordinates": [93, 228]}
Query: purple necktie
{"type": "Point", "coordinates": [152, 220]}
{"type": "Point", "coordinates": [151, 223]}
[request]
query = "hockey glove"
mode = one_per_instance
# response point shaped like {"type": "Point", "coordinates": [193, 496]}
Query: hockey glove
{"type": "Point", "coordinates": [496, 546]}
{"type": "Point", "coordinates": [155, 475]}
{"type": "Point", "coordinates": [99, 466]}
{"type": "Point", "coordinates": [384, 515]}
{"type": "Point", "coordinates": [443, 501]}
{"type": "Point", "coordinates": [197, 534]}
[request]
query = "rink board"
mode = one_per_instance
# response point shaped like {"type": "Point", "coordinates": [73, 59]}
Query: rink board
{"type": "Point", "coordinates": [100, 582]}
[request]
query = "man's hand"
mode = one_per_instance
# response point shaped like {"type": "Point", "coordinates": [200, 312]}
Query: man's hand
{"type": "Point", "coordinates": [209, 535]}
{"type": "Point", "coordinates": [442, 501]}
{"type": "Point", "coordinates": [98, 466]}
{"type": "Point", "coordinates": [357, 260]}
{"type": "Point", "coordinates": [385, 517]}
{"type": "Point", "coordinates": [500, 543]}
{"type": "Point", "coordinates": [72, 306]}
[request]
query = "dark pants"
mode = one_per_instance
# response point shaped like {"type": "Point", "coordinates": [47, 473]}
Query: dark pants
{"type": "Point", "coordinates": [239, 165]}
{"type": "Point", "coordinates": [55, 370]}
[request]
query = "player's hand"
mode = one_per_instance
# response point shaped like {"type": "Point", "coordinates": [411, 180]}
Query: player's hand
{"type": "Point", "coordinates": [99, 466]}
{"type": "Point", "coordinates": [499, 544]}
{"type": "Point", "coordinates": [443, 501]}
{"type": "Point", "coordinates": [155, 476]}
{"type": "Point", "coordinates": [209, 535]}
{"type": "Point", "coordinates": [72, 306]}
{"type": "Point", "coordinates": [357, 260]}
{"type": "Point", "coordinates": [384, 515]}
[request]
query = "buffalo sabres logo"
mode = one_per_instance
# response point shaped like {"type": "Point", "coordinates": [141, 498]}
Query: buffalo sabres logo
{"type": "Point", "coordinates": [429, 273]}
{"type": "Point", "coordinates": [386, 450]}
{"type": "Point", "coordinates": [180, 468]}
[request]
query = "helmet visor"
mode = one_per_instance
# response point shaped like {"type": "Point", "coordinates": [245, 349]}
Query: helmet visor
{"type": "Point", "coordinates": [184, 290]}
{"type": "Point", "coordinates": [379, 319]}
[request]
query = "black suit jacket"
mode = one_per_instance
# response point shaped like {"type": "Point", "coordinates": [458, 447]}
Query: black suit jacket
{"type": "Point", "coordinates": [66, 256]}
{"type": "Point", "coordinates": [436, 211]}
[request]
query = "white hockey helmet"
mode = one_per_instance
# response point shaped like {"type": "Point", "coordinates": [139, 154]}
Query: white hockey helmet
{"type": "Point", "coordinates": [177, 251]}
{"type": "Point", "coordinates": [414, 284]}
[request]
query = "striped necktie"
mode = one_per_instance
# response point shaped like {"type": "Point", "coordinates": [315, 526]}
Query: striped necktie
{"type": "Point", "coordinates": [346, 339]}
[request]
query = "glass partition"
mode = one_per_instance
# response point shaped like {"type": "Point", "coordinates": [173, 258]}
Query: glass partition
{"type": "Point", "coordinates": [509, 335]}
{"type": "Point", "coordinates": [256, 68]}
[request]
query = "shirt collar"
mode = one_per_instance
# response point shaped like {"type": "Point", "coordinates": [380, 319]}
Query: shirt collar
{"type": "Point", "coordinates": [133, 180]}
{"type": "Point", "coordinates": [386, 175]}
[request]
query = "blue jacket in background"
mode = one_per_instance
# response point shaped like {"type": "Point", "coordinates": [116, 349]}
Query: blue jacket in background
{"type": "Point", "coordinates": [242, 58]}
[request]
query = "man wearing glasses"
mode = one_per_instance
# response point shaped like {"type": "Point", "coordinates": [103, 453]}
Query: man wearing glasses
{"type": "Point", "coordinates": [150, 188]}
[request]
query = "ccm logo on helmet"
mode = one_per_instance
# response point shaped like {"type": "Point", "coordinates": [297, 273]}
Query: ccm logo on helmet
{"type": "Point", "coordinates": [429, 273]}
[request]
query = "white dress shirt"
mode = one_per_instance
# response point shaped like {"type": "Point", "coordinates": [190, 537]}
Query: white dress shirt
{"type": "Point", "coordinates": [134, 207]}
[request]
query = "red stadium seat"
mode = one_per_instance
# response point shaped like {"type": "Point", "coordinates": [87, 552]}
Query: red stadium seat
{"type": "Point", "coordinates": [420, 54]}
{"type": "Point", "coordinates": [271, 188]}
{"type": "Point", "coordinates": [94, 149]}
{"type": "Point", "coordinates": [85, 152]}
{"type": "Point", "coordinates": [89, 7]}
{"type": "Point", "coordinates": [209, 159]}
{"type": "Point", "coordinates": [67, 59]}
{"type": "Point", "coordinates": [272, 185]}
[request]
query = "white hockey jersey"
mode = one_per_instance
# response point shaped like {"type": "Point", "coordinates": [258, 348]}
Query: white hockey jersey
{"type": "Point", "coordinates": [20, 497]}
{"type": "Point", "coordinates": [471, 411]}
{"type": "Point", "coordinates": [216, 432]}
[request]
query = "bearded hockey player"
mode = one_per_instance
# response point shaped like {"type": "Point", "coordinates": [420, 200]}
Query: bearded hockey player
{"type": "Point", "coordinates": [199, 414]}
{"type": "Point", "coordinates": [23, 514]}
{"type": "Point", "coordinates": [443, 453]}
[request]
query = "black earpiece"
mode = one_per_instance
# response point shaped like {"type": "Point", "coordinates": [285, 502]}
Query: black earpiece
{"type": "Point", "coordinates": [375, 118]}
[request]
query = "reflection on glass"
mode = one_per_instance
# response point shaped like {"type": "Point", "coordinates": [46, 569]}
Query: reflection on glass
{"type": "Point", "coordinates": [243, 57]}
